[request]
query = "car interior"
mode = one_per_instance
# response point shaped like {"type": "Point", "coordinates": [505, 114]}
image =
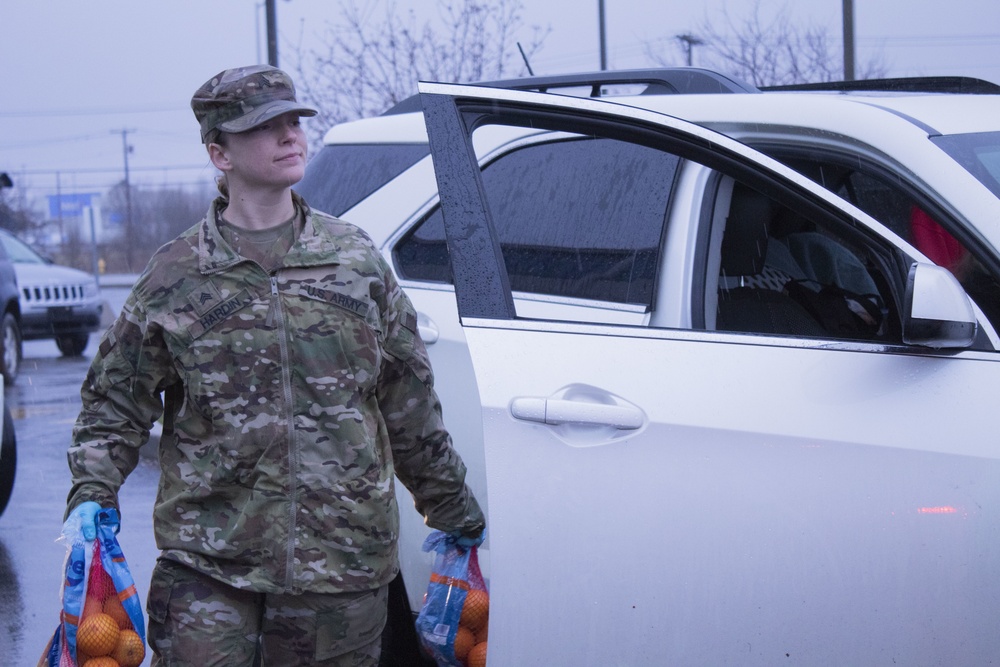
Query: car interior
{"type": "Point", "coordinates": [887, 199]}
{"type": "Point", "coordinates": [772, 271]}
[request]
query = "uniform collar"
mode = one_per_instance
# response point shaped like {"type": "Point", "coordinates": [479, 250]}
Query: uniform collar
{"type": "Point", "coordinates": [315, 245]}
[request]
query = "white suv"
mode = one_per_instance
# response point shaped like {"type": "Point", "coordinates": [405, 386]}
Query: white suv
{"type": "Point", "coordinates": [716, 413]}
{"type": "Point", "coordinates": [57, 302]}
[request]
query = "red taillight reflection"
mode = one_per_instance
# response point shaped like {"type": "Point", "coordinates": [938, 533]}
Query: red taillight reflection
{"type": "Point", "coordinates": [947, 509]}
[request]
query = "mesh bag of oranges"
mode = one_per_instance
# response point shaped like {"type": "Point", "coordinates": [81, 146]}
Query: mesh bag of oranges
{"type": "Point", "coordinates": [454, 620]}
{"type": "Point", "coordinates": [101, 623]}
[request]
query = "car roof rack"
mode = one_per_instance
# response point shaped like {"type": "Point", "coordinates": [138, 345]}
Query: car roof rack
{"type": "Point", "coordinates": [915, 84]}
{"type": "Point", "coordinates": [660, 81]}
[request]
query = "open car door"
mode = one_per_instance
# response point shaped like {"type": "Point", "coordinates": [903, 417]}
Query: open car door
{"type": "Point", "coordinates": [708, 488]}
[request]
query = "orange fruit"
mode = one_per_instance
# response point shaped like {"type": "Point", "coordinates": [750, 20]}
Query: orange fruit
{"type": "Point", "coordinates": [113, 608]}
{"type": "Point", "coordinates": [97, 635]}
{"type": "Point", "coordinates": [476, 610]}
{"type": "Point", "coordinates": [103, 661]}
{"type": "Point", "coordinates": [129, 652]}
{"type": "Point", "coordinates": [464, 641]}
{"type": "Point", "coordinates": [477, 656]}
{"type": "Point", "coordinates": [482, 633]}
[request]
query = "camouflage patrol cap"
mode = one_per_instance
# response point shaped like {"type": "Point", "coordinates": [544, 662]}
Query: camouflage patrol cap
{"type": "Point", "coordinates": [239, 99]}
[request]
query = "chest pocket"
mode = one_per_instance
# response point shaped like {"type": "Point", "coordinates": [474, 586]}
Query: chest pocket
{"type": "Point", "coordinates": [338, 335]}
{"type": "Point", "coordinates": [220, 350]}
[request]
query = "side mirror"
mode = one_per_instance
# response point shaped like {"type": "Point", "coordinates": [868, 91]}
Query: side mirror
{"type": "Point", "coordinates": [937, 311]}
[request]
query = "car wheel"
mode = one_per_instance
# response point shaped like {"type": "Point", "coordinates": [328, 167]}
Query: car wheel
{"type": "Point", "coordinates": [10, 340]}
{"type": "Point", "coordinates": [8, 459]}
{"type": "Point", "coordinates": [72, 345]}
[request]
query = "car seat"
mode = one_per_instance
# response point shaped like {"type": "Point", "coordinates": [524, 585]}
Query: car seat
{"type": "Point", "coordinates": [751, 296]}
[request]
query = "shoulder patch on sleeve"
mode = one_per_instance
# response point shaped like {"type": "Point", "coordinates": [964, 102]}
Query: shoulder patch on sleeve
{"type": "Point", "coordinates": [108, 343]}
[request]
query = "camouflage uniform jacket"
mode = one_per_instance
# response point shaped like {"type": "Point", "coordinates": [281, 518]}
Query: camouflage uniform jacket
{"type": "Point", "coordinates": [289, 402]}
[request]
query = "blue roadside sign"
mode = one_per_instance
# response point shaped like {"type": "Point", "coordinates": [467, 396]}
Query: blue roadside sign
{"type": "Point", "coordinates": [70, 205]}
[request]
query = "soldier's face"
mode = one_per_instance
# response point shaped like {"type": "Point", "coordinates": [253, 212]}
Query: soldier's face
{"type": "Point", "coordinates": [273, 154]}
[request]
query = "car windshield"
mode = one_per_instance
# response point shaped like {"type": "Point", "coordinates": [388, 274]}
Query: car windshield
{"type": "Point", "coordinates": [978, 152]}
{"type": "Point", "coordinates": [342, 175]}
{"type": "Point", "coordinates": [19, 252]}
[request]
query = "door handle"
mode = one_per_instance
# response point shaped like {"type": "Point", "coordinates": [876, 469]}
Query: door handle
{"type": "Point", "coordinates": [427, 330]}
{"type": "Point", "coordinates": [557, 411]}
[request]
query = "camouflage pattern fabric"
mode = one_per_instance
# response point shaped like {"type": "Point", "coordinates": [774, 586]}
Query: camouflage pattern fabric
{"type": "Point", "coordinates": [239, 99]}
{"type": "Point", "coordinates": [196, 620]}
{"type": "Point", "coordinates": [289, 400]}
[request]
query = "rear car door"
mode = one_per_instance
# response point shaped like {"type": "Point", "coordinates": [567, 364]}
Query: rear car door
{"type": "Point", "coordinates": [743, 477]}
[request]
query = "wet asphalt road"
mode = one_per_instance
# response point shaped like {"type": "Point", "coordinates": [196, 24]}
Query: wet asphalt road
{"type": "Point", "coordinates": [44, 403]}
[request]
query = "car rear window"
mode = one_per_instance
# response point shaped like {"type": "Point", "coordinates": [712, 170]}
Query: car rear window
{"type": "Point", "coordinates": [978, 152]}
{"type": "Point", "coordinates": [342, 175]}
{"type": "Point", "coordinates": [570, 221]}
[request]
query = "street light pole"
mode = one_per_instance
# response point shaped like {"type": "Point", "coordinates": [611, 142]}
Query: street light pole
{"type": "Point", "coordinates": [603, 34]}
{"type": "Point", "coordinates": [690, 41]}
{"type": "Point", "coordinates": [848, 40]}
{"type": "Point", "coordinates": [272, 33]}
{"type": "Point", "coordinates": [129, 232]}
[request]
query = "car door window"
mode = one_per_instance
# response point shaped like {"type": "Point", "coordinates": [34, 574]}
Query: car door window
{"type": "Point", "coordinates": [772, 270]}
{"type": "Point", "coordinates": [585, 217]}
{"type": "Point", "coordinates": [890, 200]}
{"type": "Point", "coordinates": [577, 218]}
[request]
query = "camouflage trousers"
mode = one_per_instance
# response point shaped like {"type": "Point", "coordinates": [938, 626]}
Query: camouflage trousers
{"type": "Point", "coordinates": [196, 621]}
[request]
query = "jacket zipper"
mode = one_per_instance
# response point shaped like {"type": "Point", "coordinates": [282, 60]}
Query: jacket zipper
{"type": "Point", "coordinates": [275, 315]}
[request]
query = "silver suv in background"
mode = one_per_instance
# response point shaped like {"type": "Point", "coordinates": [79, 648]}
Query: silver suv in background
{"type": "Point", "coordinates": [57, 302]}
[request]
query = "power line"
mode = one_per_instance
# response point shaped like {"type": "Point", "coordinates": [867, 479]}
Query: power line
{"type": "Point", "coordinates": [95, 111]}
{"type": "Point", "coordinates": [103, 170]}
{"type": "Point", "coordinates": [77, 186]}
{"type": "Point", "coordinates": [53, 141]}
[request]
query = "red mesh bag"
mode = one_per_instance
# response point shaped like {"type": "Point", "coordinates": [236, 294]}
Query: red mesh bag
{"type": "Point", "coordinates": [101, 614]}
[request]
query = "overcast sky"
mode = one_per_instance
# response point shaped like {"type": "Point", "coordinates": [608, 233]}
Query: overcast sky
{"type": "Point", "coordinates": [79, 73]}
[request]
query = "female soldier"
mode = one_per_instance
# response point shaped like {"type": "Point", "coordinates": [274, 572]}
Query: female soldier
{"type": "Point", "coordinates": [284, 358]}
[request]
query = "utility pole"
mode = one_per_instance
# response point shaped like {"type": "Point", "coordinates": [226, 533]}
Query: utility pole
{"type": "Point", "coordinates": [848, 40]}
{"type": "Point", "coordinates": [689, 41]}
{"type": "Point", "coordinates": [272, 33]}
{"type": "Point", "coordinates": [602, 29]}
{"type": "Point", "coordinates": [129, 230]}
{"type": "Point", "coordinates": [59, 215]}
{"type": "Point", "coordinates": [256, 25]}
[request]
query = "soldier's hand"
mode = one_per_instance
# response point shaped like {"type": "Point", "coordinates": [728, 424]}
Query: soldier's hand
{"type": "Point", "coordinates": [86, 514]}
{"type": "Point", "coordinates": [466, 540]}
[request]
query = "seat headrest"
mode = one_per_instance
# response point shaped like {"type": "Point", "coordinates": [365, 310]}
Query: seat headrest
{"type": "Point", "coordinates": [748, 226]}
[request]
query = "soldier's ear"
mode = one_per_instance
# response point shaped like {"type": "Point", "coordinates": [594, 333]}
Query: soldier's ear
{"type": "Point", "coordinates": [219, 156]}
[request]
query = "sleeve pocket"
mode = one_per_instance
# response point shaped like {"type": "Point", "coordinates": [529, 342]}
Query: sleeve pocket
{"type": "Point", "coordinates": [111, 366]}
{"type": "Point", "coordinates": [399, 344]}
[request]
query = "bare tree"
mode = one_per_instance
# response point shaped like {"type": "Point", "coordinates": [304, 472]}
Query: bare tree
{"type": "Point", "coordinates": [17, 214]}
{"type": "Point", "coordinates": [767, 52]}
{"type": "Point", "coordinates": [371, 61]}
{"type": "Point", "coordinates": [158, 215]}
